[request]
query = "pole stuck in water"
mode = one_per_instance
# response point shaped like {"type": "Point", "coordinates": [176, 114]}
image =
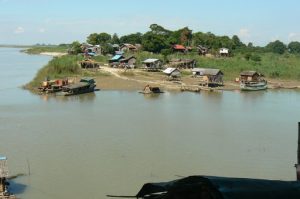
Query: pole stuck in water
{"type": "Point", "coordinates": [298, 154]}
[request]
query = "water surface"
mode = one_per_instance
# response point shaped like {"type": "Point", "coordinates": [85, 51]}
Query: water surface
{"type": "Point", "coordinates": [111, 142]}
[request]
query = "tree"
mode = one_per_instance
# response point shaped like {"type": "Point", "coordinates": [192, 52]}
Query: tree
{"type": "Point", "coordinates": [153, 42]}
{"type": "Point", "coordinates": [237, 42]}
{"type": "Point", "coordinates": [115, 39]}
{"type": "Point", "coordinates": [99, 39]}
{"type": "Point", "coordinates": [135, 38]}
{"type": "Point", "coordinates": [76, 48]}
{"type": "Point", "coordinates": [276, 47]}
{"type": "Point", "coordinates": [294, 47]}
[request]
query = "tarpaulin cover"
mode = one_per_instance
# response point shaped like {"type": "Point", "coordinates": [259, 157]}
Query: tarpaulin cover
{"type": "Point", "coordinates": [221, 188]}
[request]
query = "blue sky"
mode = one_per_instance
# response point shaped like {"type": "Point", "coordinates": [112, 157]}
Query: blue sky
{"type": "Point", "coordinates": [63, 21]}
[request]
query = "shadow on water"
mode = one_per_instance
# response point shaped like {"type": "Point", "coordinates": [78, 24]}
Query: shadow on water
{"type": "Point", "coordinates": [16, 187]}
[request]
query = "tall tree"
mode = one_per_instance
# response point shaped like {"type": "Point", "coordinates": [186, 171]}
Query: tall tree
{"type": "Point", "coordinates": [276, 47]}
{"type": "Point", "coordinates": [294, 47]}
{"type": "Point", "coordinates": [115, 39]}
{"type": "Point", "coordinates": [153, 42]}
{"type": "Point", "coordinates": [135, 38]}
{"type": "Point", "coordinates": [99, 39]}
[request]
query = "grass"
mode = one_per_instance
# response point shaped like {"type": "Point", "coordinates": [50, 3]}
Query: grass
{"type": "Point", "coordinates": [58, 67]}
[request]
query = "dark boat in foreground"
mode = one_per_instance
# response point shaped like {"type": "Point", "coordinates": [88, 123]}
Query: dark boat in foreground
{"type": "Point", "coordinates": [209, 187]}
{"type": "Point", "coordinates": [86, 85]}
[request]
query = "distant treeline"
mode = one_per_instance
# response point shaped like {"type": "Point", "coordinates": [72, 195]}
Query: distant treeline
{"type": "Point", "coordinates": [160, 40]}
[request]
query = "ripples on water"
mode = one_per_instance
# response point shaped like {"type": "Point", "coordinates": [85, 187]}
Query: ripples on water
{"type": "Point", "coordinates": [111, 142]}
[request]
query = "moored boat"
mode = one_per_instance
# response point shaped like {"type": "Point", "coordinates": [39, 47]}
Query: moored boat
{"type": "Point", "coordinates": [252, 81]}
{"type": "Point", "coordinates": [86, 85]}
{"type": "Point", "coordinates": [151, 90]}
{"type": "Point", "coordinates": [254, 86]}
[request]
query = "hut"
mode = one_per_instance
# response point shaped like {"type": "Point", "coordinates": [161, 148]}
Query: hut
{"type": "Point", "coordinates": [202, 50]}
{"type": "Point", "coordinates": [172, 73]}
{"type": "Point", "coordinates": [224, 52]}
{"type": "Point", "coordinates": [209, 76]}
{"type": "Point", "coordinates": [128, 47]}
{"type": "Point", "coordinates": [179, 48]}
{"type": "Point", "coordinates": [115, 60]}
{"type": "Point", "coordinates": [128, 62]}
{"type": "Point", "coordinates": [182, 63]}
{"type": "Point", "coordinates": [250, 76]}
{"type": "Point", "coordinates": [152, 64]}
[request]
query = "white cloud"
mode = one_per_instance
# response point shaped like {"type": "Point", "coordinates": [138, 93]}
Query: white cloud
{"type": "Point", "coordinates": [19, 30]}
{"type": "Point", "coordinates": [244, 33]}
{"type": "Point", "coordinates": [294, 36]}
{"type": "Point", "coordinates": [42, 30]}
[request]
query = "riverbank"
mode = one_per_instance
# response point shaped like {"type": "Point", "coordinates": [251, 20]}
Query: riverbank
{"type": "Point", "coordinates": [107, 78]}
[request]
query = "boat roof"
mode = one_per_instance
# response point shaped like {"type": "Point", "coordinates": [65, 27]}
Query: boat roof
{"type": "Point", "coordinates": [3, 158]}
{"type": "Point", "coordinates": [77, 85]}
{"type": "Point", "coordinates": [249, 73]}
{"type": "Point", "coordinates": [225, 188]}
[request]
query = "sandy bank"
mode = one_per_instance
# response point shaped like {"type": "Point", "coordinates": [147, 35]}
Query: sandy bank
{"type": "Point", "coordinates": [53, 54]}
{"type": "Point", "coordinates": [120, 79]}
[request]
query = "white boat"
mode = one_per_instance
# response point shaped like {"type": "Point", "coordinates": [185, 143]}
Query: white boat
{"type": "Point", "coordinates": [254, 85]}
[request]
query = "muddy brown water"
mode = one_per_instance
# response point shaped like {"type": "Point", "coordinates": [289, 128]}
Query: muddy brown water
{"type": "Point", "coordinates": [111, 142]}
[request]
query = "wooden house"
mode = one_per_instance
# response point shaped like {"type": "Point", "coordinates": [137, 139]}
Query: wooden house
{"type": "Point", "coordinates": [115, 60]}
{"type": "Point", "coordinates": [202, 50]}
{"type": "Point", "coordinates": [128, 48]}
{"type": "Point", "coordinates": [208, 76]}
{"type": "Point", "coordinates": [128, 62]}
{"type": "Point", "coordinates": [172, 73]}
{"type": "Point", "coordinates": [152, 64]}
{"type": "Point", "coordinates": [250, 76]}
{"type": "Point", "coordinates": [224, 52]}
{"type": "Point", "coordinates": [182, 63]}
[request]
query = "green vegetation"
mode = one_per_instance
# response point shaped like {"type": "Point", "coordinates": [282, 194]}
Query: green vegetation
{"type": "Point", "coordinates": [58, 67]}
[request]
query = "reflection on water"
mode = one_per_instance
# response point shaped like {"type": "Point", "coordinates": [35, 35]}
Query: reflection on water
{"type": "Point", "coordinates": [110, 141]}
{"type": "Point", "coordinates": [88, 97]}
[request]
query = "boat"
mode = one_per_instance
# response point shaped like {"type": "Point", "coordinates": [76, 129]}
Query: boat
{"type": "Point", "coordinates": [4, 184]}
{"type": "Point", "coordinates": [86, 85]}
{"type": "Point", "coordinates": [254, 86]}
{"type": "Point", "coordinates": [252, 81]}
{"type": "Point", "coordinates": [52, 86]}
{"type": "Point", "coordinates": [151, 90]}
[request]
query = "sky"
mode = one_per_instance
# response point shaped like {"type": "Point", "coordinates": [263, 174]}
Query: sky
{"type": "Point", "coordinates": [63, 21]}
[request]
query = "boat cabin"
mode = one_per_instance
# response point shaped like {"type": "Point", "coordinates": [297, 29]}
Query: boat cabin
{"type": "Point", "coordinates": [250, 76]}
{"type": "Point", "coordinates": [151, 90]}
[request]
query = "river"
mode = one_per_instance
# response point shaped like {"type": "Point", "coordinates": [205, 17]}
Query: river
{"type": "Point", "coordinates": [111, 142]}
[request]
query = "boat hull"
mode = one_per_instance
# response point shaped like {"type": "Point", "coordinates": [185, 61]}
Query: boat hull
{"type": "Point", "coordinates": [254, 86]}
{"type": "Point", "coordinates": [83, 91]}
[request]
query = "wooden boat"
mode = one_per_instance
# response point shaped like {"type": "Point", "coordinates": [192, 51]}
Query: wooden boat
{"type": "Point", "coordinates": [4, 184]}
{"type": "Point", "coordinates": [252, 81]}
{"type": "Point", "coordinates": [151, 90]}
{"type": "Point", "coordinates": [52, 86]}
{"type": "Point", "coordinates": [254, 86]}
{"type": "Point", "coordinates": [86, 85]}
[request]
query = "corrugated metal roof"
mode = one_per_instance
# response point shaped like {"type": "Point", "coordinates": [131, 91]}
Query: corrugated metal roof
{"type": "Point", "coordinates": [116, 57]}
{"type": "Point", "coordinates": [168, 71]}
{"type": "Point", "coordinates": [207, 71]}
{"type": "Point", "coordinates": [179, 47]}
{"type": "Point", "coordinates": [148, 61]}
